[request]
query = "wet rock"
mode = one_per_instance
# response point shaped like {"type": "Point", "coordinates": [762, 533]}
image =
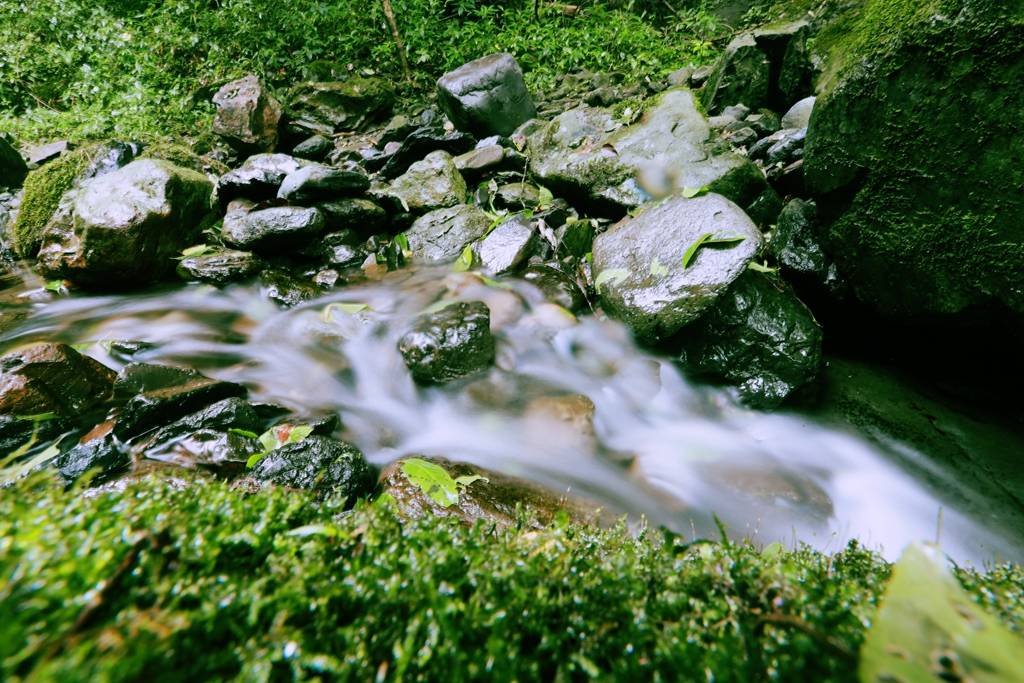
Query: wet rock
{"type": "Point", "coordinates": [314, 148]}
{"type": "Point", "coordinates": [339, 249]}
{"type": "Point", "coordinates": [12, 166]}
{"type": "Point", "coordinates": [764, 210]}
{"type": "Point", "coordinates": [575, 237]}
{"type": "Point", "coordinates": [517, 197]}
{"type": "Point", "coordinates": [744, 137]}
{"type": "Point", "coordinates": [441, 235]}
{"type": "Point", "coordinates": [680, 78]}
{"type": "Point", "coordinates": [700, 75]}
{"type": "Point", "coordinates": [273, 228]}
{"type": "Point", "coordinates": [476, 163]}
{"type": "Point", "coordinates": [15, 432]}
{"type": "Point", "coordinates": [361, 215]}
{"type": "Point", "coordinates": [247, 115]}
{"type": "Point", "coordinates": [794, 244]}
{"type": "Point", "coordinates": [449, 344]}
{"type": "Point", "coordinates": [259, 177]}
{"type": "Point", "coordinates": [586, 156]}
{"type": "Point", "coordinates": [764, 122]}
{"type": "Point", "coordinates": [231, 413]}
{"type": "Point", "coordinates": [52, 378]}
{"type": "Point", "coordinates": [320, 464]}
{"type": "Point", "coordinates": [557, 287]}
{"type": "Point", "coordinates": [641, 261]}
{"type": "Point", "coordinates": [314, 182]}
{"type": "Point", "coordinates": [799, 115]}
{"type": "Point", "coordinates": [487, 96]}
{"type": "Point", "coordinates": [758, 337]}
{"type": "Point", "coordinates": [433, 183]}
{"type": "Point", "coordinates": [422, 142]}
{"type": "Point", "coordinates": [911, 130]}
{"type": "Point", "coordinates": [286, 289]}
{"type": "Point", "coordinates": [127, 226]}
{"type": "Point", "coordinates": [221, 267]}
{"type": "Point", "coordinates": [104, 454]}
{"type": "Point", "coordinates": [329, 107]}
{"type": "Point", "coordinates": [228, 450]}
{"type": "Point", "coordinates": [490, 497]}
{"type": "Point", "coordinates": [38, 155]}
{"type": "Point", "coordinates": [783, 147]}
{"type": "Point", "coordinates": [508, 246]}
{"type": "Point", "coordinates": [156, 395]}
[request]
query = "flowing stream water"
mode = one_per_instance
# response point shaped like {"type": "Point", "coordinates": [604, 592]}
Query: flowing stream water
{"type": "Point", "coordinates": [663, 447]}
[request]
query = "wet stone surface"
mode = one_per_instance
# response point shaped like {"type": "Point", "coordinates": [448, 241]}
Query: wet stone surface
{"type": "Point", "coordinates": [449, 344]}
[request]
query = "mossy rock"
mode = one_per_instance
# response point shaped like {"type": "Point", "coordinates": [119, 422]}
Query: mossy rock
{"type": "Point", "coordinates": [915, 150]}
{"type": "Point", "coordinates": [44, 188]}
{"type": "Point", "coordinates": [183, 156]}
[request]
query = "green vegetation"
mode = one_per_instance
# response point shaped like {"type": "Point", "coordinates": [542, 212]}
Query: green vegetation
{"type": "Point", "coordinates": [204, 582]}
{"type": "Point", "coordinates": [96, 68]}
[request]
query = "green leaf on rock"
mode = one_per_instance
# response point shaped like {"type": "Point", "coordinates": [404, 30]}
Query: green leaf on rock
{"type": "Point", "coordinates": [197, 250]}
{"type": "Point", "coordinates": [278, 436]}
{"type": "Point", "coordinates": [56, 286]}
{"type": "Point", "coordinates": [433, 480]}
{"type": "Point", "coordinates": [761, 268]}
{"type": "Point", "coordinates": [327, 315]}
{"type": "Point", "coordinates": [465, 261]}
{"type": "Point", "coordinates": [546, 198]}
{"type": "Point", "coordinates": [657, 269]}
{"type": "Point", "coordinates": [615, 276]}
{"type": "Point", "coordinates": [244, 432]}
{"type": "Point", "coordinates": [705, 240]}
{"type": "Point", "coordinates": [929, 629]}
{"type": "Point", "coordinates": [465, 480]}
{"type": "Point", "coordinates": [691, 192]}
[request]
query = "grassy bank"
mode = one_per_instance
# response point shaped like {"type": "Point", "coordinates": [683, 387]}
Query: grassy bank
{"type": "Point", "coordinates": [163, 584]}
{"type": "Point", "coordinates": [130, 68]}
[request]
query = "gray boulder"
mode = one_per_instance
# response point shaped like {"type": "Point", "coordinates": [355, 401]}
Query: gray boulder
{"type": "Point", "coordinates": [314, 182]}
{"type": "Point", "coordinates": [259, 177]}
{"type": "Point", "coordinates": [221, 267]}
{"type": "Point", "coordinates": [360, 215]}
{"type": "Point", "coordinates": [507, 246]}
{"type": "Point", "coordinates": [799, 115]}
{"type": "Point", "coordinates": [588, 157]}
{"type": "Point", "coordinates": [433, 183]}
{"type": "Point", "coordinates": [639, 262]}
{"type": "Point", "coordinates": [487, 96]}
{"type": "Point", "coordinates": [441, 235]}
{"type": "Point", "coordinates": [449, 344]}
{"type": "Point", "coordinates": [126, 227]}
{"type": "Point", "coordinates": [758, 337]}
{"type": "Point", "coordinates": [247, 115]}
{"type": "Point", "coordinates": [273, 228]}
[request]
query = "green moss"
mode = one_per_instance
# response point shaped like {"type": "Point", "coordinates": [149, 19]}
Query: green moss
{"type": "Point", "coordinates": [205, 583]}
{"type": "Point", "coordinates": [182, 156]}
{"type": "Point", "coordinates": [44, 188]}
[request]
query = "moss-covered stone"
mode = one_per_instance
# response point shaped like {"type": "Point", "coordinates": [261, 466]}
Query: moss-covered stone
{"type": "Point", "coordinates": [44, 188]}
{"type": "Point", "coordinates": [182, 156]}
{"type": "Point", "coordinates": [915, 150]}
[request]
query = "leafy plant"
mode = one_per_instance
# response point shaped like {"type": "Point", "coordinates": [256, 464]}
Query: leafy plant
{"type": "Point", "coordinates": [465, 261]}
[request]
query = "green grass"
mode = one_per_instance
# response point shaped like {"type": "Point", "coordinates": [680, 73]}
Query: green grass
{"type": "Point", "coordinates": [205, 583]}
{"type": "Point", "coordinates": [129, 68]}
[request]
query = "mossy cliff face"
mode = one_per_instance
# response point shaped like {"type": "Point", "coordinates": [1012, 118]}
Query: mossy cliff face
{"type": "Point", "coordinates": [915, 151]}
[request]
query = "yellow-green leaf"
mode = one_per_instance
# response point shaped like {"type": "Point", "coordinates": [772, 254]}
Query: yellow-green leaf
{"type": "Point", "coordinates": [433, 480]}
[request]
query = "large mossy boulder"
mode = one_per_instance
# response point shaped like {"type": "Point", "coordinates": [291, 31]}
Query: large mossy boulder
{"type": "Point", "coordinates": [916, 156]}
{"type": "Point", "coordinates": [661, 270]}
{"type": "Point", "coordinates": [592, 159]}
{"type": "Point", "coordinates": [247, 115]}
{"type": "Point", "coordinates": [126, 227]}
{"type": "Point", "coordinates": [46, 186]}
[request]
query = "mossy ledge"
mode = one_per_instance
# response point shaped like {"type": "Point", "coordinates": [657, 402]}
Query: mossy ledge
{"type": "Point", "coordinates": [155, 582]}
